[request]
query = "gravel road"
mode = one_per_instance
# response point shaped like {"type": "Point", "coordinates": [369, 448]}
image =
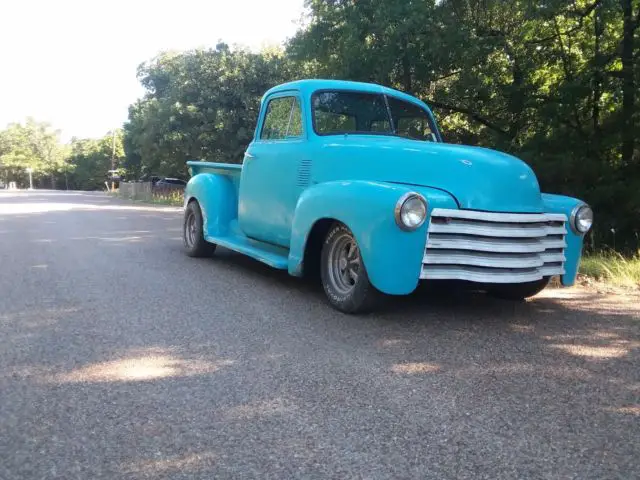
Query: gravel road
{"type": "Point", "coordinates": [120, 357]}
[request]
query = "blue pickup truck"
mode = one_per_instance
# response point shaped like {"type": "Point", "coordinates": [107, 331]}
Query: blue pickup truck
{"type": "Point", "coordinates": [353, 181]}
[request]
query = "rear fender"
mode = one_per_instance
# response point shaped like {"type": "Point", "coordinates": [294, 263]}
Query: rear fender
{"type": "Point", "coordinates": [218, 199]}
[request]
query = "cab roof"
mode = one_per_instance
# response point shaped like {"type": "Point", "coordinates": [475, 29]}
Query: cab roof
{"type": "Point", "coordinates": [307, 87]}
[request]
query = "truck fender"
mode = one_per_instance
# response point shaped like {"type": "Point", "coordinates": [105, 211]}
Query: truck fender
{"type": "Point", "coordinates": [392, 257]}
{"type": "Point", "coordinates": [218, 201]}
{"type": "Point", "coordinates": [573, 251]}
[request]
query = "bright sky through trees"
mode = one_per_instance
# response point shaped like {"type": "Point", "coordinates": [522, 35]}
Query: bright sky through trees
{"type": "Point", "coordinates": [73, 62]}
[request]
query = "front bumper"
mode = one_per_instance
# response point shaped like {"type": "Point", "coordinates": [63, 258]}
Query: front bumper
{"type": "Point", "coordinates": [494, 247]}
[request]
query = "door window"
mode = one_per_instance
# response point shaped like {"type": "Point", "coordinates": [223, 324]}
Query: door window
{"type": "Point", "coordinates": [282, 120]}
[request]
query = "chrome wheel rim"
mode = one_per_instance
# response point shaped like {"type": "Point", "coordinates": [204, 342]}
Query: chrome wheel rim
{"type": "Point", "coordinates": [344, 264]}
{"type": "Point", "coordinates": [190, 230]}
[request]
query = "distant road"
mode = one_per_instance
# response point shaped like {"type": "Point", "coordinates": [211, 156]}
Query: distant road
{"type": "Point", "coordinates": [120, 357]}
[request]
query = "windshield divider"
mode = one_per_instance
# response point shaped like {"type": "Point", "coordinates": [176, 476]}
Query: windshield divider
{"type": "Point", "coordinates": [391, 124]}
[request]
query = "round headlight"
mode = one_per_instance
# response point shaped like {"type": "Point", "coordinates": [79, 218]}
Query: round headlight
{"type": "Point", "coordinates": [411, 211]}
{"type": "Point", "coordinates": [582, 219]}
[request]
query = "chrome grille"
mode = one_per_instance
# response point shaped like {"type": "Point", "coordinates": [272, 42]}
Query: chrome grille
{"type": "Point", "coordinates": [494, 247]}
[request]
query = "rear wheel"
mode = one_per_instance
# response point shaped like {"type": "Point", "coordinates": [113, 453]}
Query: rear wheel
{"type": "Point", "coordinates": [193, 234]}
{"type": "Point", "coordinates": [344, 276]}
{"type": "Point", "coordinates": [518, 291]}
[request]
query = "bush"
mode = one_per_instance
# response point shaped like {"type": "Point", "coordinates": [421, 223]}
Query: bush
{"type": "Point", "coordinates": [611, 267]}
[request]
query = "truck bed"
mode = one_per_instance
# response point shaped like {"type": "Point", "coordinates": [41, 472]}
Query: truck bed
{"type": "Point", "coordinates": [230, 169]}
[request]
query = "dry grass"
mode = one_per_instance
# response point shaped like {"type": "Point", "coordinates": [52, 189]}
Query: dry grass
{"type": "Point", "coordinates": [612, 268]}
{"type": "Point", "coordinates": [168, 197]}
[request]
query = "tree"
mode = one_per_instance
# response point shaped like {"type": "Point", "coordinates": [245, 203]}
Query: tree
{"type": "Point", "coordinates": [201, 104]}
{"type": "Point", "coordinates": [32, 145]}
{"type": "Point", "coordinates": [90, 160]}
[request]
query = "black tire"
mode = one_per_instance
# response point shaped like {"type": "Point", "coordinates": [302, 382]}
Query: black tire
{"type": "Point", "coordinates": [344, 276]}
{"type": "Point", "coordinates": [192, 235]}
{"type": "Point", "coordinates": [518, 291]}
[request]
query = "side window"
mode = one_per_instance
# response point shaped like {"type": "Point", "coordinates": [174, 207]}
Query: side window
{"type": "Point", "coordinates": [411, 121]}
{"type": "Point", "coordinates": [414, 127]}
{"type": "Point", "coordinates": [283, 119]}
{"type": "Point", "coordinates": [295, 121]}
{"type": "Point", "coordinates": [380, 126]}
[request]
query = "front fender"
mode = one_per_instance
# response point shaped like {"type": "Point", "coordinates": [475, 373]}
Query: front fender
{"type": "Point", "coordinates": [392, 257]}
{"type": "Point", "coordinates": [218, 201]}
{"type": "Point", "coordinates": [573, 252]}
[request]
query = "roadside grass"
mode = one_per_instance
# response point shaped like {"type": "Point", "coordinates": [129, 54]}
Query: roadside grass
{"type": "Point", "coordinates": [176, 199]}
{"type": "Point", "coordinates": [170, 198]}
{"type": "Point", "coordinates": [612, 268]}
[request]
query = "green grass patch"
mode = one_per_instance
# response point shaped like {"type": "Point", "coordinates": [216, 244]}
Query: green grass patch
{"type": "Point", "coordinates": [613, 268]}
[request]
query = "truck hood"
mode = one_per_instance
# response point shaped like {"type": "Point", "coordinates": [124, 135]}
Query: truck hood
{"type": "Point", "coordinates": [478, 178]}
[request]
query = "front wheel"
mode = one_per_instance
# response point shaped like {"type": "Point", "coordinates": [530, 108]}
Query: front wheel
{"type": "Point", "coordinates": [344, 276]}
{"type": "Point", "coordinates": [193, 234]}
{"type": "Point", "coordinates": [518, 291]}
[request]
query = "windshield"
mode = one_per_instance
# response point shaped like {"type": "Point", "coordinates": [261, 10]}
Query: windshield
{"type": "Point", "coordinates": [340, 112]}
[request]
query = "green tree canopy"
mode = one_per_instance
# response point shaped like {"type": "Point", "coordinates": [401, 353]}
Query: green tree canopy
{"type": "Point", "coordinates": [33, 145]}
{"type": "Point", "coordinates": [201, 104]}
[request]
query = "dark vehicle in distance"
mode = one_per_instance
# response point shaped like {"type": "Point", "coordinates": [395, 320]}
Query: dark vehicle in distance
{"type": "Point", "coordinates": [170, 184]}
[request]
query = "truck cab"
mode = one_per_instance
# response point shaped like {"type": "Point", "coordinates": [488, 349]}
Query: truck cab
{"type": "Point", "coordinates": [353, 180]}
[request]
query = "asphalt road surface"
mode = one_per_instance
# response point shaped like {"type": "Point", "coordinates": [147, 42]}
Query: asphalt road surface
{"type": "Point", "coordinates": [120, 357]}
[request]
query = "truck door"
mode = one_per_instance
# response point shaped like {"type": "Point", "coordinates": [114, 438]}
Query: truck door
{"type": "Point", "coordinates": [268, 191]}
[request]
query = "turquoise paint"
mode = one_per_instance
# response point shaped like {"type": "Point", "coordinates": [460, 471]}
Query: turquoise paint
{"type": "Point", "coordinates": [393, 257]}
{"type": "Point", "coordinates": [216, 190]}
{"type": "Point", "coordinates": [479, 178]}
{"type": "Point", "coordinates": [267, 184]}
{"type": "Point", "coordinates": [383, 246]}
{"type": "Point", "coordinates": [267, 207]}
{"type": "Point", "coordinates": [272, 255]}
{"type": "Point", "coordinates": [268, 180]}
{"type": "Point", "coordinates": [573, 252]}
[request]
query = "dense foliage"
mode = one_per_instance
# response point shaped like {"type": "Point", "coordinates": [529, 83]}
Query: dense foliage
{"type": "Point", "coordinates": [90, 160]}
{"type": "Point", "coordinates": [31, 145]}
{"type": "Point", "coordinates": [83, 164]}
{"type": "Point", "coordinates": [199, 105]}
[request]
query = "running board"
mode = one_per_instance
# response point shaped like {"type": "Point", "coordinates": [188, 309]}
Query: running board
{"type": "Point", "coordinates": [272, 255]}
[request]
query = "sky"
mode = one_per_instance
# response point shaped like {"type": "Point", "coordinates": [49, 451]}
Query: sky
{"type": "Point", "coordinates": [73, 62]}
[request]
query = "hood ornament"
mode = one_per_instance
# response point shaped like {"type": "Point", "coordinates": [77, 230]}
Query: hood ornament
{"type": "Point", "coordinates": [466, 162]}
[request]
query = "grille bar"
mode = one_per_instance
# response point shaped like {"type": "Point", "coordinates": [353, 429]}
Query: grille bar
{"type": "Point", "coordinates": [498, 216]}
{"type": "Point", "coordinates": [494, 247]}
{"type": "Point", "coordinates": [481, 244]}
{"type": "Point", "coordinates": [487, 229]}
{"type": "Point", "coordinates": [488, 275]}
{"type": "Point", "coordinates": [482, 259]}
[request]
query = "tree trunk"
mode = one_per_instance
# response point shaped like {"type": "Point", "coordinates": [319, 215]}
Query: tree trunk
{"type": "Point", "coordinates": [568, 74]}
{"type": "Point", "coordinates": [406, 68]}
{"type": "Point", "coordinates": [597, 76]}
{"type": "Point", "coordinates": [628, 83]}
{"type": "Point", "coordinates": [516, 99]}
